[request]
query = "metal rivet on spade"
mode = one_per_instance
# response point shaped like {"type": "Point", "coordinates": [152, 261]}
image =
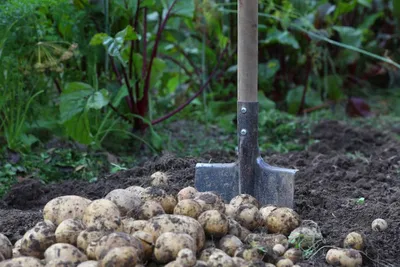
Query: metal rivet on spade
{"type": "Point", "coordinates": [243, 132]}
{"type": "Point", "coordinates": [243, 110]}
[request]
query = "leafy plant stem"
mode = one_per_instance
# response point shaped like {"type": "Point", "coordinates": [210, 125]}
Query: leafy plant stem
{"type": "Point", "coordinates": [303, 97]}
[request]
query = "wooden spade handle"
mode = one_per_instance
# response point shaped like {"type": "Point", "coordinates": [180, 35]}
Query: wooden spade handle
{"type": "Point", "coordinates": [247, 50]}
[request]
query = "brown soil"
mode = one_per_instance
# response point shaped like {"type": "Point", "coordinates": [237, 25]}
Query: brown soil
{"type": "Point", "coordinates": [346, 164]}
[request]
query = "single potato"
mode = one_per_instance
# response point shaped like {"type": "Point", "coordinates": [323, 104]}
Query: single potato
{"type": "Point", "coordinates": [6, 248]}
{"type": "Point", "coordinates": [283, 221]}
{"type": "Point", "coordinates": [229, 244]}
{"type": "Point", "coordinates": [115, 240]}
{"type": "Point", "coordinates": [68, 231]}
{"type": "Point", "coordinates": [230, 210]}
{"type": "Point", "coordinates": [237, 230]}
{"type": "Point", "coordinates": [306, 235]}
{"type": "Point", "coordinates": [136, 190]}
{"type": "Point", "coordinates": [242, 199]}
{"type": "Point", "coordinates": [36, 240]}
{"type": "Point", "coordinates": [186, 258]}
{"type": "Point", "coordinates": [22, 262]}
{"type": "Point", "coordinates": [130, 225]}
{"type": "Point", "coordinates": [293, 254]}
{"type": "Point", "coordinates": [218, 259]}
{"type": "Point", "coordinates": [149, 209]}
{"type": "Point", "coordinates": [67, 253]}
{"type": "Point", "coordinates": [187, 193]}
{"type": "Point", "coordinates": [169, 244]}
{"type": "Point", "coordinates": [344, 257]}
{"type": "Point", "coordinates": [121, 256]}
{"type": "Point", "coordinates": [354, 240]}
{"type": "Point", "coordinates": [214, 223]}
{"type": "Point", "coordinates": [188, 207]}
{"type": "Point", "coordinates": [124, 199]}
{"type": "Point", "coordinates": [210, 201]}
{"type": "Point", "coordinates": [284, 263]}
{"type": "Point", "coordinates": [87, 236]}
{"type": "Point", "coordinates": [379, 225]}
{"type": "Point", "coordinates": [265, 211]}
{"type": "Point", "coordinates": [159, 195]}
{"type": "Point", "coordinates": [248, 216]}
{"type": "Point", "coordinates": [147, 242]}
{"type": "Point", "coordinates": [88, 264]}
{"type": "Point", "coordinates": [102, 214]}
{"type": "Point", "coordinates": [65, 207]}
{"type": "Point", "coordinates": [159, 178]}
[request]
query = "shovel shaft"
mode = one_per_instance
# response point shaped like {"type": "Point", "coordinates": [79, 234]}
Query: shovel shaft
{"type": "Point", "coordinates": [247, 50]}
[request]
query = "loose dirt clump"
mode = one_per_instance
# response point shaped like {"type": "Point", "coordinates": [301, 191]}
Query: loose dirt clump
{"type": "Point", "coordinates": [346, 179]}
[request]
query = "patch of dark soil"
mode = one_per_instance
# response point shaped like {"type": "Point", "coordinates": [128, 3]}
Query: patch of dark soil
{"type": "Point", "coordinates": [14, 223]}
{"type": "Point", "coordinates": [345, 165]}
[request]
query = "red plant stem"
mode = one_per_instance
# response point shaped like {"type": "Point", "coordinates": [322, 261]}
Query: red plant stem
{"type": "Point", "coordinates": [132, 107]}
{"type": "Point", "coordinates": [119, 114]}
{"type": "Point", "coordinates": [303, 97]}
{"type": "Point", "coordinates": [144, 42]}
{"type": "Point", "coordinates": [133, 42]}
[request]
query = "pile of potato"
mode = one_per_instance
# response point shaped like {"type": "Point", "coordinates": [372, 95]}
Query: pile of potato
{"type": "Point", "coordinates": [147, 227]}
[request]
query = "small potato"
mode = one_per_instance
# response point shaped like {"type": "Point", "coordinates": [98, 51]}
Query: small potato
{"type": "Point", "coordinates": [293, 254]}
{"type": "Point", "coordinates": [267, 241]}
{"type": "Point", "coordinates": [120, 257]}
{"type": "Point", "coordinates": [354, 240]}
{"type": "Point", "coordinates": [187, 193]}
{"type": "Point", "coordinates": [67, 253]}
{"type": "Point", "coordinates": [283, 221]}
{"type": "Point", "coordinates": [220, 259]}
{"type": "Point", "coordinates": [130, 225]}
{"type": "Point", "coordinates": [22, 262]}
{"type": "Point", "coordinates": [230, 210]}
{"type": "Point", "coordinates": [88, 264]}
{"type": "Point", "coordinates": [242, 199]}
{"type": "Point", "coordinates": [344, 257]}
{"type": "Point", "coordinates": [239, 262]}
{"type": "Point", "coordinates": [200, 264]}
{"type": "Point", "coordinates": [169, 244]}
{"type": "Point", "coordinates": [188, 207]}
{"type": "Point", "coordinates": [248, 216]}
{"type": "Point", "coordinates": [36, 240]}
{"type": "Point", "coordinates": [237, 230]}
{"type": "Point", "coordinates": [265, 211]}
{"type": "Point", "coordinates": [149, 209]}
{"type": "Point", "coordinates": [379, 225]}
{"type": "Point", "coordinates": [102, 214]}
{"type": "Point", "coordinates": [65, 207]}
{"type": "Point", "coordinates": [279, 249]}
{"type": "Point", "coordinates": [214, 223]}
{"type": "Point", "coordinates": [115, 240]}
{"type": "Point", "coordinates": [249, 253]}
{"type": "Point", "coordinates": [229, 244]}
{"type": "Point", "coordinates": [136, 190]}
{"type": "Point", "coordinates": [124, 199]}
{"type": "Point", "coordinates": [159, 178]}
{"type": "Point", "coordinates": [147, 242]}
{"type": "Point", "coordinates": [69, 230]}
{"type": "Point", "coordinates": [87, 236]}
{"type": "Point", "coordinates": [91, 250]}
{"type": "Point", "coordinates": [306, 235]}
{"type": "Point", "coordinates": [159, 195]}
{"type": "Point", "coordinates": [6, 248]}
{"type": "Point", "coordinates": [186, 258]}
{"type": "Point", "coordinates": [210, 201]}
{"type": "Point", "coordinates": [176, 224]}
{"type": "Point", "coordinates": [206, 253]}
{"type": "Point", "coordinates": [16, 250]}
{"type": "Point", "coordinates": [284, 263]}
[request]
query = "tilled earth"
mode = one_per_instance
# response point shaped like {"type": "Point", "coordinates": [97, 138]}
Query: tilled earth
{"type": "Point", "coordinates": [346, 164]}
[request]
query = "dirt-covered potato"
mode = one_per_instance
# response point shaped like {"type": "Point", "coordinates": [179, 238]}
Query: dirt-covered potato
{"type": "Point", "coordinates": [130, 225]}
{"type": "Point", "coordinates": [136, 190]}
{"type": "Point", "coordinates": [200, 264]}
{"type": "Point", "coordinates": [159, 178]}
{"type": "Point", "coordinates": [283, 221]}
{"type": "Point", "coordinates": [248, 216]}
{"type": "Point", "coordinates": [186, 257]}
{"type": "Point", "coordinates": [159, 195]}
{"type": "Point", "coordinates": [22, 262]}
{"type": "Point", "coordinates": [6, 248]}
{"type": "Point", "coordinates": [149, 209]}
{"type": "Point", "coordinates": [36, 240]}
{"type": "Point", "coordinates": [65, 252]}
{"type": "Point", "coordinates": [237, 230]}
{"type": "Point", "coordinates": [214, 223]}
{"type": "Point", "coordinates": [229, 244]}
{"type": "Point", "coordinates": [65, 207]}
{"type": "Point", "coordinates": [91, 250]}
{"type": "Point", "coordinates": [115, 240]}
{"type": "Point", "coordinates": [89, 264]}
{"type": "Point", "coordinates": [354, 240]}
{"type": "Point", "coordinates": [242, 199]}
{"type": "Point", "coordinates": [279, 249]}
{"type": "Point", "coordinates": [102, 214]}
{"type": "Point", "coordinates": [239, 262]}
{"type": "Point", "coordinates": [68, 231]}
{"type": "Point", "coordinates": [121, 256]}
{"type": "Point", "coordinates": [293, 254]}
{"type": "Point", "coordinates": [249, 253]}
{"type": "Point", "coordinates": [169, 244]}
{"type": "Point", "coordinates": [210, 201]}
{"type": "Point", "coordinates": [217, 259]}
{"type": "Point", "coordinates": [266, 240]}
{"type": "Point", "coordinates": [230, 210]}
{"type": "Point", "coordinates": [188, 207]}
{"type": "Point", "coordinates": [124, 199]}
{"type": "Point", "coordinates": [344, 257]}
{"type": "Point", "coordinates": [16, 250]}
{"type": "Point", "coordinates": [265, 211]}
{"type": "Point", "coordinates": [379, 225]}
{"type": "Point", "coordinates": [284, 263]}
{"type": "Point", "coordinates": [176, 224]}
{"type": "Point", "coordinates": [147, 242]}
{"type": "Point", "coordinates": [187, 193]}
{"type": "Point", "coordinates": [306, 235]}
{"type": "Point", "coordinates": [87, 236]}
{"type": "Point", "coordinates": [207, 252]}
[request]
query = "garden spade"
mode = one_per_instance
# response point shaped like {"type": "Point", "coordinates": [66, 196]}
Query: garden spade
{"type": "Point", "coordinates": [250, 174]}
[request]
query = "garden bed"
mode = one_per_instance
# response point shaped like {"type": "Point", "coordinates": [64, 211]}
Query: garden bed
{"type": "Point", "coordinates": [345, 165]}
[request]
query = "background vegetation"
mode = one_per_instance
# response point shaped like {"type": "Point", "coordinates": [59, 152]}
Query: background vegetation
{"type": "Point", "coordinates": [91, 86]}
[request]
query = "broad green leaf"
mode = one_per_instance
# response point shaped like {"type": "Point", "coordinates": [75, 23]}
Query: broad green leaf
{"type": "Point", "coordinates": [396, 8]}
{"type": "Point", "coordinates": [128, 34]}
{"type": "Point", "coordinates": [73, 99]}
{"type": "Point", "coordinates": [334, 84]}
{"type": "Point", "coordinates": [157, 71]}
{"type": "Point", "coordinates": [122, 93]}
{"type": "Point", "coordinates": [268, 70]}
{"type": "Point", "coordinates": [147, 3]}
{"type": "Point", "coordinates": [370, 20]}
{"type": "Point", "coordinates": [281, 37]}
{"type": "Point", "coordinates": [366, 3]}
{"type": "Point", "coordinates": [344, 7]}
{"type": "Point", "coordinates": [182, 8]}
{"type": "Point", "coordinates": [293, 99]}
{"type": "Point", "coordinates": [98, 100]}
{"type": "Point", "coordinates": [349, 35]}
{"type": "Point", "coordinates": [264, 102]}
{"type": "Point", "coordinates": [78, 128]}
{"type": "Point", "coordinates": [98, 38]}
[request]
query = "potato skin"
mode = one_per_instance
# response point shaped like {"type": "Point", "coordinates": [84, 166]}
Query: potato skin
{"type": "Point", "coordinates": [121, 257]}
{"type": "Point", "coordinates": [22, 262]}
{"type": "Point", "coordinates": [88, 264]}
{"type": "Point", "coordinates": [187, 193]}
{"type": "Point", "coordinates": [64, 252]}
{"type": "Point", "coordinates": [176, 224]}
{"type": "Point", "coordinates": [354, 240]}
{"type": "Point", "coordinates": [237, 230]}
{"type": "Point", "coordinates": [169, 244]}
{"type": "Point", "coordinates": [87, 236]}
{"type": "Point", "coordinates": [283, 221]}
{"type": "Point", "coordinates": [188, 207]}
{"type": "Point", "coordinates": [117, 239]}
{"type": "Point", "coordinates": [6, 248]}
{"type": "Point", "coordinates": [102, 214]}
{"type": "Point", "coordinates": [124, 199]}
{"type": "Point", "coordinates": [36, 240]}
{"type": "Point", "coordinates": [214, 223]}
{"type": "Point", "coordinates": [248, 216]}
{"type": "Point", "coordinates": [65, 207]}
{"type": "Point", "coordinates": [229, 244]}
{"type": "Point", "coordinates": [379, 225]}
{"type": "Point", "coordinates": [130, 225]}
{"type": "Point", "coordinates": [159, 195]}
{"type": "Point", "coordinates": [210, 201]}
{"type": "Point", "coordinates": [68, 231]}
{"type": "Point", "coordinates": [186, 257]}
{"type": "Point", "coordinates": [344, 257]}
{"type": "Point", "coordinates": [149, 209]}
{"type": "Point", "coordinates": [242, 199]}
